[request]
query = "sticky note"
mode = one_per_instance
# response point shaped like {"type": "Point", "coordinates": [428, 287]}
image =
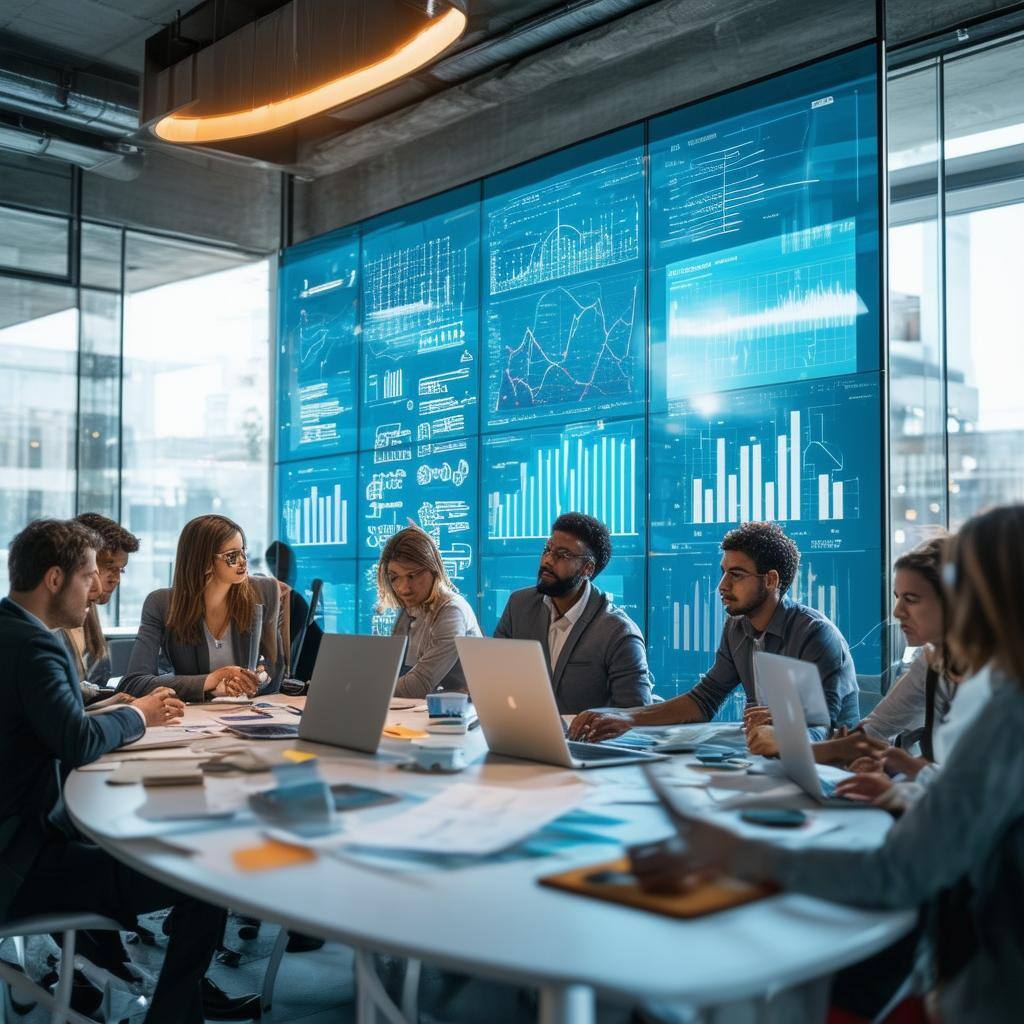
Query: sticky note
{"type": "Point", "coordinates": [269, 855]}
{"type": "Point", "coordinates": [403, 732]}
{"type": "Point", "coordinates": [297, 756]}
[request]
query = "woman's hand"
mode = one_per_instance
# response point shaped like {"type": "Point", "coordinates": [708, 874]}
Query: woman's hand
{"type": "Point", "coordinates": [867, 786]}
{"type": "Point", "coordinates": [667, 866]}
{"type": "Point", "coordinates": [849, 749]}
{"type": "Point", "coordinates": [898, 762]}
{"type": "Point", "coordinates": [231, 681]}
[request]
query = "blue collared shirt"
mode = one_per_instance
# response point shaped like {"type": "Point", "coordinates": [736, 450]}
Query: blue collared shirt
{"type": "Point", "coordinates": [795, 631]}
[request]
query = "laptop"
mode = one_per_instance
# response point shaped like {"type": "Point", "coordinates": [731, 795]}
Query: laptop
{"type": "Point", "coordinates": [511, 690]}
{"type": "Point", "coordinates": [352, 685]}
{"type": "Point", "coordinates": [784, 683]}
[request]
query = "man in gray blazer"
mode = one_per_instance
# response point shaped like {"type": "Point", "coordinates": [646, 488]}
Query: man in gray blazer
{"type": "Point", "coordinates": [594, 651]}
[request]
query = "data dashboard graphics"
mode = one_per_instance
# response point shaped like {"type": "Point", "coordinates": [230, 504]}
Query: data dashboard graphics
{"type": "Point", "coordinates": [764, 244]}
{"type": "Point", "coordinates": [420, 277]}
{"type": "Point", "coordinates": [674, 327]}
{"type": "Point", "coordinates": [564, 306]}
{"type": "Point", "coordinates": [317, 351]}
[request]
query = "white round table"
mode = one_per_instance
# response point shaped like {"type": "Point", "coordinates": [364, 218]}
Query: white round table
{"type": "Point", "coordinates": [492, 918]}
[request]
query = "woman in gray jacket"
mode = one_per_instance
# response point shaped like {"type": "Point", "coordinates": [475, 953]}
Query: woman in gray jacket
{"type": "Point", "coordinates": [411, 577]}
{"type": "Point", "coordinates": [968, 827]}
{"type": "Point", "coordinates": [216, 631]}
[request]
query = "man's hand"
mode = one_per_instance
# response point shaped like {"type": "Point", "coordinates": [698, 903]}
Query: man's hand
{"type": "Point", "coordinates": [761, 740]}
{"type": "Point", "coordinates": [232, 681]}
{"type": "Point", "coordinates": [851, 748]}
{"type": "Point", "coordinates": [867, 786]}
{"type": "Point", "coordinates": [595, 726]}
{"type": "Point", "coordinates": [160, 707]}
{"type": "Point", "coordinates": [754, 717]}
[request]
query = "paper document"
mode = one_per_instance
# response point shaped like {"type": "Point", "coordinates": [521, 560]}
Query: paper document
{"type": "Point", "coordinates": [167, 736]}
{"type": "Point", "coordinates": [468, 820]}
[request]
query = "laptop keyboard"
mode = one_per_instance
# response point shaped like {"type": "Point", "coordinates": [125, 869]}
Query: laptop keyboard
{"type": "Point", "coordinates": [596, 752]}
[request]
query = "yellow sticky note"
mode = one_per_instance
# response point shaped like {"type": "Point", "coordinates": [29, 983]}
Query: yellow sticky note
{"type": "Point", "coordinates": [271, 854]}
{"type": "Point", "coordinates": [297, 756]}
{"type": "Point", "coordinates": [403, 732]}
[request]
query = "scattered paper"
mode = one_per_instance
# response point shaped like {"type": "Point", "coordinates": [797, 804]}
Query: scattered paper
{"type": "Point", "coordinates": [167, 736]}
{"type": "Point", "coordinates": [467, 819]}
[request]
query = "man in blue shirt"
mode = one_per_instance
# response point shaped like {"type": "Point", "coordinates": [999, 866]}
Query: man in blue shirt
{"type": "Point", "coordinates": [759, 563]}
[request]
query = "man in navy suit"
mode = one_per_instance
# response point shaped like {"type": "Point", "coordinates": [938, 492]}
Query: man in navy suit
{"type": "Point", "coordinates": [45, 865]}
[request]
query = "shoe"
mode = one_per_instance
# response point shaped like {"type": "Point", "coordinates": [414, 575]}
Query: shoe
{"type": "Point", "coordinates": [218, 1005]}
{"type": "Point", "coordinates": [85, 997]}
{"type": "Point", "coordinates": [299, 943]}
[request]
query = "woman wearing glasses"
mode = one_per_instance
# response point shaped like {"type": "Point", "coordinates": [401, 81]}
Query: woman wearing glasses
{"type": "Point", "coordinates": [213, 626]}
{"type": "Point", "coordinates": [412, 579]}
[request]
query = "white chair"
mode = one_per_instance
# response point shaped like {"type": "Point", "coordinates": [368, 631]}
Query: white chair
{"type": "Point", "coordinates": [59, 1001]}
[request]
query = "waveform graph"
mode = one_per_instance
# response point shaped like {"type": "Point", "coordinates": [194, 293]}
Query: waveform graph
{"type": "Point", "coordinates": [502, 575]}
{"type": "Point", "coordinates": [433, 485]}
{"type": "Point", "coordinates": [337, 609]}
{"type": "Point", "coordinates": [575, 212]}
{"type": "Point", "coordinates": [576, 346]}
{"type": "Point", "coordinates": [318, 352]}
{"type": "Point", "coordinates": [804, 455]}
{"type": "Point", "coordinates": [420, 317]}
{"type": "Point", "coordinates": [531, 479]}
{"type": "Point", "coordinates": [317, 501]}
{"type": "Point", "coordinates": [770, 311]}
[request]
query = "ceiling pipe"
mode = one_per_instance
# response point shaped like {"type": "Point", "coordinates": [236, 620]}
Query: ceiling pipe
{"type": "Point", "coordinates": [120, 162]}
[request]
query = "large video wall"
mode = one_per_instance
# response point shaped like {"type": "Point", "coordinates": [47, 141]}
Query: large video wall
{"type": "Point", "coordinates": [674, 327]}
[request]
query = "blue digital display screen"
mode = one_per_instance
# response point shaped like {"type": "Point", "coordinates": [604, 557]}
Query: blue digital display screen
{"type": "Point", "coordinates": [317, 348]}
{"type": "Point", "coordinates": [674, 328]}
{"type": "Point", "coordinates": [764, 234]}
{"type": "Point", "coordinates": [336, 612]}
{"type": "Point", "coordinates": [804, 455]}
{"type": "Point", "coordinates": [622, 581]}
{"type": "Point", "coordinates": [564, 303]}
{"type": "Point", "coordinates": [421, 285]}
{"type": "Point", "coordinates": [317, 504]}
{"type": "Point", "coordinates": [531, 478]}
{"type": "Point", "coordinates": [434, 485]}
{"type": "Point", "coordinates": [686, 615]}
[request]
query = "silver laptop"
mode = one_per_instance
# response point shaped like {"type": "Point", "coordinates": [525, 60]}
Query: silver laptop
{"type": "Point", "coordinates": [353, 681]}
{"type": "Point", "coordinates": [784, 684]}
{"type": "Point", "coordinates": [511, 690]}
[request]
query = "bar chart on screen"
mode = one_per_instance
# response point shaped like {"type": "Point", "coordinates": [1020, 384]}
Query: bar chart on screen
{"type": "Point", "coordinates": [799, 454]}
{"type": "Point", "coordinates": [317, 502]}
{"type": "Point", "coordinates": [530, 480]}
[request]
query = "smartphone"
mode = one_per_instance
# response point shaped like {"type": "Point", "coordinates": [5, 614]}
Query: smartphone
{"type": "Point", "coordinates": [355, 798]}
{"type": "Point", "coordinates": [249, 716]}
{"type": "Point", "coordinates": [773, 817]}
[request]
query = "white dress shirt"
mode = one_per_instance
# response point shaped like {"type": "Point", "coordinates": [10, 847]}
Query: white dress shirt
{"type": "Point", "coordinates": [561, 625]}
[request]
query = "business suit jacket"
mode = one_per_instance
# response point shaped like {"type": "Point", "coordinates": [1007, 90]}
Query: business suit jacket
{"type": "Point", "coordinates": [159, 658]}
{"type": "Point", "coordinates": [603, 662]}
{"type": "Point", "coordinates": [44, 733]}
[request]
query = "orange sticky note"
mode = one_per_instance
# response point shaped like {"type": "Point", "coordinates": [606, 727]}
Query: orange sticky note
{"type": "Point", "coordinates": [297, 756]}
{"type": "Point", "coordinates": [403, 732]}
{"type": "Point", "coordinates": [271, 854]}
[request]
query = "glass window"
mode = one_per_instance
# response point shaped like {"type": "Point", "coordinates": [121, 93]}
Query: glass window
{"type": "Point", "coordinates": [195, 400]}
{"type": "Point", "coordinates": [34, 242]}
{"type": "Point", "coordinates": [38, 365]}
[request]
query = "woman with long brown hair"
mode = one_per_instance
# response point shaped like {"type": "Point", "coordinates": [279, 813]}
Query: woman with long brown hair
{"type": "Point", "coordinates": [217, 626]}
{"type": "Point", "coordinates": [411, 578]}
{"type": "Point", "coordinates": [968, 826]}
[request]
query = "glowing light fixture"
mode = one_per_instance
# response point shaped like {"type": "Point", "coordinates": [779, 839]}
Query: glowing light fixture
{"type": "Point", "coordinates": [415, 52]}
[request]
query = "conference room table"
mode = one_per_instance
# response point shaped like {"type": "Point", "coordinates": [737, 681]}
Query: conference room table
{"type": "Point", "coordinates": [488, 916]}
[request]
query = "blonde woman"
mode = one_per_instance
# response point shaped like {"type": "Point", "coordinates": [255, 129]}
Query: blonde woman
{"type": "Point", "coordinates": [216, 626]}
{"type": "Point", "coordinates": [412, 579]}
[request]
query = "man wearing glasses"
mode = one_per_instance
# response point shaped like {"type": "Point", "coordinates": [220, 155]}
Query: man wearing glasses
{"type": "Point", "coordinates": [759, 563]}
{"type": "Point", "coordinates": [594, 650]}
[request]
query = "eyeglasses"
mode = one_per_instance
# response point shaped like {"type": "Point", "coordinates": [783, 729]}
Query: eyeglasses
{"type": "Point", "coordinates": [563, 554]}
{"type": "Point", "coordinates": [232, 557]}
{"type": "Point", "coordinates": [739, 575]}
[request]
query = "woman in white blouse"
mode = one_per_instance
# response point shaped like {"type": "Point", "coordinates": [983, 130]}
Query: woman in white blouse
{"type": "Point", "coordinates": [412, 579]}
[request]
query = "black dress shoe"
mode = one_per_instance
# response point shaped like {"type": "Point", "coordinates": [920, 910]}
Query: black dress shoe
{"type": "Point", "coordinates": [218, 1005]}
{"type": "Point", "coordinates": [299, 943]}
